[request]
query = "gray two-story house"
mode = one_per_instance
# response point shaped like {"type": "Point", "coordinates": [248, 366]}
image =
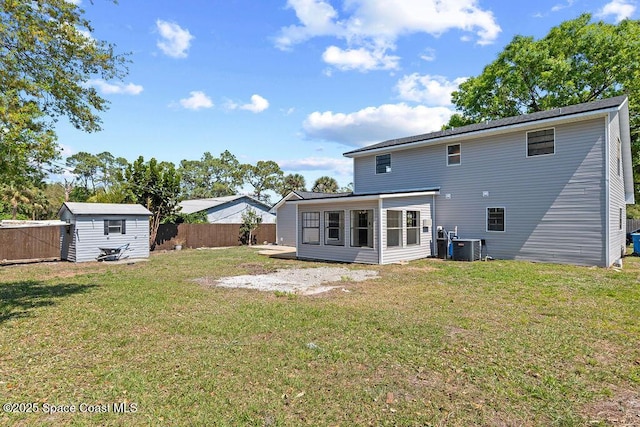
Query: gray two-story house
{"type": "Point", "coordinates": [550, 186]}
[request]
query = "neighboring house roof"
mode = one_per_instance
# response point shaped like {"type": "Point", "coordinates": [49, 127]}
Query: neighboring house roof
{"type": "Point", "coordinates": [197, 205]}
{"type": "Point", "coordinates": [572, 110]}
{"type": "Point", "coordinates": [11, 223]}
{"type": "Point", "coordinates": [307, 195]}
{"type": "Point", "coordinates": [77, 208]}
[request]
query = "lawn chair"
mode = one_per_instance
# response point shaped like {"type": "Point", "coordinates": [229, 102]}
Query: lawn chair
{"type": "Point", "coordinates": [113, 254]}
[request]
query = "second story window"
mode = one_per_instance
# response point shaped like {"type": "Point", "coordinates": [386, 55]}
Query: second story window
{"type": "Point", "coordinates": [453, 155]}
{"type": "Point", "coordinates": [541, 142]}
{"type": "Point", "coordinates": [383, 163]}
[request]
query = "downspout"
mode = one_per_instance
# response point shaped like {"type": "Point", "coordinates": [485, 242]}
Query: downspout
{"type": "Point", "coordinates": [379, 242]}
{"type": "Point", "coordinates": [607, 194]}
{"type": "Point", "coordinates": [433, 226]}
{"type": "Point", "coordinates": [297, 231]}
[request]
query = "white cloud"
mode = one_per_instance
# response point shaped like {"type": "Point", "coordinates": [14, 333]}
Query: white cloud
{"type": "Point", "coordinates": [427, 89]}
{"type": "Point", "coordinates": [621, 9]}
{"type": "Point", "coordinates": [360, 59]}
{"type": "Point", "coordinates": [341, 166]}
{"type": "Point", "coordinates": [175, 40]}
{"type": "Point", "coordinates": [196, 101]}
{"type": "Point", "coordinates": [257, 105]}
{"type": "Point", "coordinates": [375, 124]}
{"type": "Point", "coordinates": [561, 6]}
{"type": "Point", "coordinates": [371, 27]}
{"type": "Point", "coordinates": [428, 55]}
{"type": "Point", "coordinates": [115, 88]}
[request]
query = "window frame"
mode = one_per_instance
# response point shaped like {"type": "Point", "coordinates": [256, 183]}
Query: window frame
{"type": "Point", "coordinates": [397, 229]}
{"type": "Point", "coordinates": [370, 227]}
{"type": "Point", "coordinates": [110, 226]}
{"type": "Point", "coordinates": [310, 224]}
{"type": "Point", "coordinates": [458, 155]}
{"type": "Point", "coordinates": [328, 227]}
{"type": "Point", "coordinates": [412, 228]}
{"type": "Point", "coordinates": [504, 219]}
{"type": "Point", "coordinates": [387, 168]}
{"type": "Point", "coordinates": [537, 131]}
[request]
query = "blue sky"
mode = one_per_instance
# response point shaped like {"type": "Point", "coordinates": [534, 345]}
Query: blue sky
{"type": "Point", "coordinates": [298, 82]}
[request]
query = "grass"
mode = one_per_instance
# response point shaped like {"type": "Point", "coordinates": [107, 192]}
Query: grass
{"type": "Point", "coordinates": [428, 343]}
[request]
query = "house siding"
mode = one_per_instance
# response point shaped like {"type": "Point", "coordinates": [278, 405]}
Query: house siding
{"type": "Point", "coordinates": [554, 204]}
{"type": "Point", "coordinates": [617, 235]}
{"type": "Point", "coordinates": [88, 233]}
{"type": "Point", "coordinates": [408, 252]}
{"type": "Point", "coordinates": [286, 224]}
{"type": "Point", "coordinates": [344, 253]}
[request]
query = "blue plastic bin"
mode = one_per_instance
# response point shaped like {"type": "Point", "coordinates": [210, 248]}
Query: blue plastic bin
{"type": "Point", "coordinates": [636, 243]}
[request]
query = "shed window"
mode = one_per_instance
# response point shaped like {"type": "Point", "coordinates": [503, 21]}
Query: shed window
{"type": "Point", "coordinates": [311, 228]}
{"type": "Point", "coordinates": [115, 226]}
{"type": "Point", "coordinates": [394, 228]}
{"type": "Point", "coordinates": [541, 142]}
{"type": "Point", "coordinates": [453, 155]}
{"type": "Point", "coordinates": [362, 228]}
{"type": "Point", "coordinates": [495, 219]}
{"type": "Point", "coordinates": [383, 163]}
{"type": "Point", "coordinates": [334, 228]}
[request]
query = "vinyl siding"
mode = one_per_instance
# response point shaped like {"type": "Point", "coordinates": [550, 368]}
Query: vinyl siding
{"type": "Point", "coordinates": [555, 204]}
{"type": "Point", "coordinates": [617, 236]}
{"type": "Point", "coordinates": [407, 252]}
{"type": "Point", "coordinates": [344, 253]}
{"type": "Point", "coordinates": [89, 236]}
{"type": "Point", "coordinates": [286, 224]}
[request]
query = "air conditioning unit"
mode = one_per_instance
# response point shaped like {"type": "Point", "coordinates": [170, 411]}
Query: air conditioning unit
{"type": "Point", "coordinates": [466, 249]}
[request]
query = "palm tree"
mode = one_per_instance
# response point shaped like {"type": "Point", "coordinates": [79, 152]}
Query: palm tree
{"type": "Point", "coordinates": [293, 182]}
{"type": "Point", "coordinates": [15, 196]}
{"type": "Point", "coordinates": [325, 184]}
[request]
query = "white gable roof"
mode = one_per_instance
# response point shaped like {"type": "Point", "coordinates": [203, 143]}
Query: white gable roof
{"type": "Point", "coordinates": [197, 205]}
{"type": "Point", "coordinates": [77, 208]}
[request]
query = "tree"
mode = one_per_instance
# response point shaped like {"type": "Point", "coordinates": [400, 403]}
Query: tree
{"type": "Point", "coordinates": [325, 184]}
{"type": "Point", "coordinates": [211, 176]}
{"type": "Point", "coordinates": [265, 175]}
{"type": "Point", "coordinates": [16, 195]}
{"type": "Point", "coordinates": [155, 186]}
{"type": "Point", "coordinates": [577, 61]}
{"type": "Point", "coordinates": [46, 61]}
{"type": "Point", "coordinates": [250, 223]}
{"type": "Point", "coordinates": [292, 182]}
{"type": "Point", "coordinates": [85, 167]}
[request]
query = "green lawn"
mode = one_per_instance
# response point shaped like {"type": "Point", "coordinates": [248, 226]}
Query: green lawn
{"type": "Point", "coordinates": [427, 343]}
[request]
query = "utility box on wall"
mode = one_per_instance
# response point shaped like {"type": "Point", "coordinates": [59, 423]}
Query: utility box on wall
{"type": "Point", "coordinates": [466, 249]}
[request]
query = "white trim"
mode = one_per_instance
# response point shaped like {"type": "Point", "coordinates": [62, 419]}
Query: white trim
{"type": "Point", "coordinates": [284, 200]}
{"type": "Point", "coordinates": [488, 132]}
{"type": "Point", "coordinates": [607, 190]}
{"type": "Point", "coordinates": [380, 229]}
{"type": "Point", "coordinates": [362, 198]}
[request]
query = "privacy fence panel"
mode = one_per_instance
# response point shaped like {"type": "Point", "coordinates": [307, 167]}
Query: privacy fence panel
{"type": "Point", "coordinates": [29, 243]}
{"type": "Point", "coordinates": [208, 235]}
{"type": "Point", "coordinates": [633, 225]}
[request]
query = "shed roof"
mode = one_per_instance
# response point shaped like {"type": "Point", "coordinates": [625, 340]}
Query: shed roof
{"type": "Point", "coordinates": [78, 208]}
{"type": "Point", "coordinates": [577, 109]}
{"type": "Point", "coordinates": [197, 205]}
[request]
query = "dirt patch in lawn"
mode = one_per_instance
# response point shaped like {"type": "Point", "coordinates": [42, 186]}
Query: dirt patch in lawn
{"type": "Point", "coordinates": [302, 281]}
{"type": "Point", "coordinates": [623, 409]}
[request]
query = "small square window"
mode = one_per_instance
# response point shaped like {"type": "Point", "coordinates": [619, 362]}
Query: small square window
{"type": "Point", "coordinates": [541, 142]}
{"type": "Point", "coordinates": [495, 219]}
{"type": "Point", "coordinates": [453, 155]}
{"type": "Point", "coordinates": [383, 163]}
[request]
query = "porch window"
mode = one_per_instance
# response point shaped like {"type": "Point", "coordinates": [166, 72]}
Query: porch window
{"type": "Point", "coordinates": [413, 231]}
{"type": "Point", "coordinates": [394, 228]}
{"type": "Point", "coordinates": [311, 228]}
{"type": "Point", "coordinates": [115, 226]}
{"type": "Point", "coordinates": [362, 228]}
{"type": "Point", "coordinates": [334, 228]}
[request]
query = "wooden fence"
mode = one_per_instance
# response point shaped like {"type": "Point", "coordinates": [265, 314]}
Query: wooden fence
{"type": "Point", "coordinates": [208, 235]}
{"type": "Point", "coordinates": [26, 243]}
{"type": "Point", "coordinates": [633, 225]}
